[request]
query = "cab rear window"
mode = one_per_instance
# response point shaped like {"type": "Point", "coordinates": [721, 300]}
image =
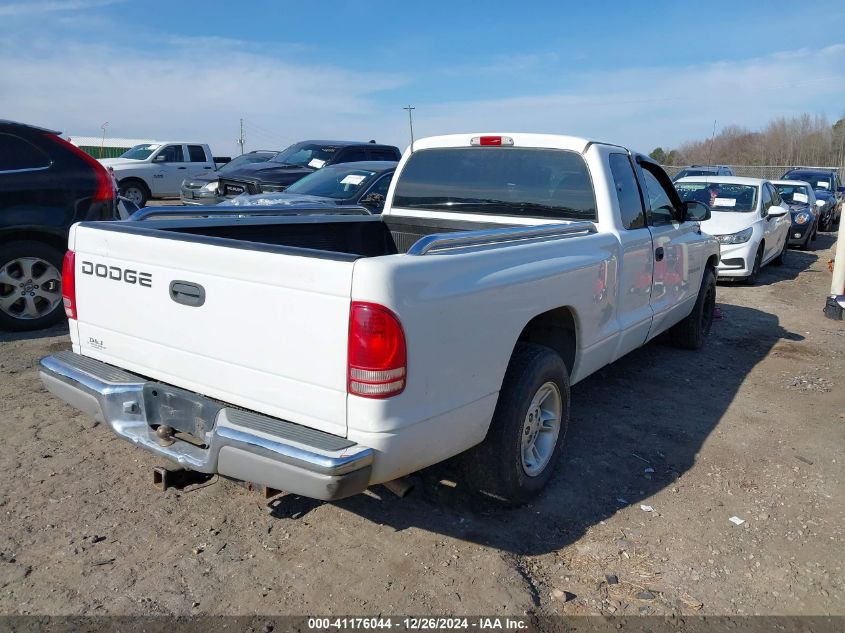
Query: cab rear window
{"type": "Point", "coordinates": [545, 183]}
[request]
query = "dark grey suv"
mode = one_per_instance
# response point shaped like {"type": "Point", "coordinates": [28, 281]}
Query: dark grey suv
{"type": "Point", "coordinates": [704, 170]}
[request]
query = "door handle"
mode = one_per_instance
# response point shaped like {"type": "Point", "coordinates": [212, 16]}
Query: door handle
{"type": "Point", "coordinates": [658, 254]}
{"type": "Point", "coordinates": [181, 167]}
{"type": "Point", "coordinates": [187, 293]}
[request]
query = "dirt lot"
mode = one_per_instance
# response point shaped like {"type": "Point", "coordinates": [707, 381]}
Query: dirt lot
{"type": "Point", "coordinates": [752, 427]}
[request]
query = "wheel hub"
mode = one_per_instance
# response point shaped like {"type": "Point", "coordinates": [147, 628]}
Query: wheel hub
{"type": "Point", "coordinates": [540, 429]}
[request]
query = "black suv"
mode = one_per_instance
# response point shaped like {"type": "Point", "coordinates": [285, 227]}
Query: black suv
{"type": "Point", "coordinates": [46, 185]}
{"type": "Point", "coordinates": [299, 160]}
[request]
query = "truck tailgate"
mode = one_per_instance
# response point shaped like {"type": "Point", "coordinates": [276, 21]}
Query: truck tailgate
{"type": "Point", "coordinates": [270, 334]}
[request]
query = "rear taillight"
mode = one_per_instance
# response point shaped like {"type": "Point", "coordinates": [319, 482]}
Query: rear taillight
{"type": "Point", "coordinates": [104, 190]}
{"type": "Point", "coordinates": [377, 358]}
{"type": "Point", "coordinates": [69, 284]}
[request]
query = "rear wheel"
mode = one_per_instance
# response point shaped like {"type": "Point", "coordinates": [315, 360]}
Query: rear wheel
{"type": "Point", "coordinates": [518, 456]}
{"type": "Point", "coordinates": [30, 286]}
{"type": "Point", "coordinates": [693, 330]}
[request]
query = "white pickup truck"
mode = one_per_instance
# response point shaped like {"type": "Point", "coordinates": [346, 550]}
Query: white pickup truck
{"type": "Point", "coordinates": [156, 170]}
{"type": "Point", "coordinates": [321, 355]}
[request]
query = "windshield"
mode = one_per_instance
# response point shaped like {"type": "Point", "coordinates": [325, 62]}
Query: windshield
{"type": "Point", "coordinates": [140, 152]}
{"type": "Point", "coordinates": [820, 181]}
{"type": "Point", "coordinates": [341, 183]}
{"type": "Point", "coordinates": [794, 194]}
{"type": "Point", "coordinates": [720, 196]}
{"type": "Point", "coordinates": [544, 183]}
{"type": "Point", "coordinates": [244, 159]}
{"type": "Point", "coordinates": [305, 155]}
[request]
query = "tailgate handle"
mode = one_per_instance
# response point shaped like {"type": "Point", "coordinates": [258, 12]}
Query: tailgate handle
{"type": "Point", "coordinates": [187, 293]}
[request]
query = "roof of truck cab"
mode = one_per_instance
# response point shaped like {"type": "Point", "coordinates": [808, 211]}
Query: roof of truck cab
{"type": "Point", "coordinates": [520, 139]}
{"type": "Point", "coordinates": [724, 180]}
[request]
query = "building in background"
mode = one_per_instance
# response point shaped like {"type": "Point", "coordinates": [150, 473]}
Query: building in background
{"type": "Point", "coordinates": [108, 148]}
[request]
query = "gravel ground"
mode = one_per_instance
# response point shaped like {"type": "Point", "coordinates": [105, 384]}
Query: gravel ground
{"type": "Point", "coordinates": [664, 448]}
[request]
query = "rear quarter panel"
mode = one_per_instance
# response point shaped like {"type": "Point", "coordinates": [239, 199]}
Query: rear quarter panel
{"type": "Point", "coordinates": [462, 314]}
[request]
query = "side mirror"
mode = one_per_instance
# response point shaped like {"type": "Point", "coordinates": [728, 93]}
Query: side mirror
{"type": "Point", "coordinates": [820, 203]}
{"type": "Point", "coordinates": [373, 198]}
{"type": "Point", "coordinates": [841, 189]}
{"type": "Point", "coordinates": [696, 211]}
{"type": "Point", "coordinates": [160, 158]}
{"type": "Point", "coordinates": [776, 211]}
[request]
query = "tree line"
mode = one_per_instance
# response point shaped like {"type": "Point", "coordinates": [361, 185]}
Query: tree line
{"type": "Point", "coordinates": [800, 140]}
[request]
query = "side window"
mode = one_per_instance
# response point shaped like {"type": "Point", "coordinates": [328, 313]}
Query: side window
{"type": "Point", "coordinates": [196, 153]}
{"type": "Point", "coordinates": [351, 156]}
{"type": "Point", "coordinates": [776, 199]}
{"type": "Point", "coordinates": [627, 192]}
{"type": "Point", "coordinates": [172, 154]}
{"type": "Point", "coordinates": [17, 153]}
{"type": "Point", "coordinates": [662, 211]}
{"type": "Point", "coordinates": [766, 199]}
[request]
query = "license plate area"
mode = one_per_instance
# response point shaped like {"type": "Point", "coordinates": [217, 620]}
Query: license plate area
{"type": "Point", "coordinates": [181, 410]}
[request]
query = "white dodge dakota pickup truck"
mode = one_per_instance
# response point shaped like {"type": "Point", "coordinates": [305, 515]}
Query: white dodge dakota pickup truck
{"type": "Point", "coordinates": [321, 355]}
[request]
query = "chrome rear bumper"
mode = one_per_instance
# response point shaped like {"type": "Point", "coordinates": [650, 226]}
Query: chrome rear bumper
{"type": "Point", "coordinates": [231, 442]}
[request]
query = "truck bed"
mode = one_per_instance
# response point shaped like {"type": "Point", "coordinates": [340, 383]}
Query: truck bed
{"type": "Point", "coordinates": [342, 237]}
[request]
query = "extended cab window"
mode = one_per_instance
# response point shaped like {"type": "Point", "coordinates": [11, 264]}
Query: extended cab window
{"type": "Point", "coordinates": [16, 153]}
{"type": "Point", "coordinates": [627, 192]}
{"type": "Point", "coordinates": [196, 153]}
{"type": "Point", "coordinates": [545, 183]}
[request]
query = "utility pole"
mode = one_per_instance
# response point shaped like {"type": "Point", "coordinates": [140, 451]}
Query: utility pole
{"type": "Point", "coordinates": [103, 142]}
{"type": "Point", "coordinates": [411, 124]}
{"type": "Point", "coordinates": [712, 136]}
{"type": "Point", "coordinates": [241, 139]}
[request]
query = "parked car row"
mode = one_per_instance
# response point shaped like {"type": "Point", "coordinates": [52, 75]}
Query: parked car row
{"type": "Point", "coordinates": [48, 184]}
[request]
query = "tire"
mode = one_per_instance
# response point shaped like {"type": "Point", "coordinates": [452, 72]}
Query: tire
{"type": "Point", "coordinates": [30, 286]}
{"type": "Point", "coordinates": [781, 258]}
{"type": "Point", "coordinates": [811, 235]}
{"type": "Point", "coordinates": [755, 269]}
{"type": "Point", "coordinates": [135, 191]}
{"type": "Point", "coordinates": [695, 328]}
{"type": "Point", "coordinates": [497, 467]}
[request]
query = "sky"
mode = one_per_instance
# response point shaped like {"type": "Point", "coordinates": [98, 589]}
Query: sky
{"type": "Point", "coordinates": [641, 74]}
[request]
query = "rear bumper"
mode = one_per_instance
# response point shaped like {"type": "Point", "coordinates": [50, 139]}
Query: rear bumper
{"type": "Point", "coordinates": [231, 442]}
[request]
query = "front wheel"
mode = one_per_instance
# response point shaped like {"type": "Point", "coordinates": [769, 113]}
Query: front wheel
{"type": "Point", "coordinates": [778, 261]}
{"type": "Point", "coordinates": [694, 329]}
{"type": "Point", "coordinates": [517, 458]}
{"type": "Point", "coordinates": [134, 192]}
{"type": "Point", "coordinates": [755, 269]}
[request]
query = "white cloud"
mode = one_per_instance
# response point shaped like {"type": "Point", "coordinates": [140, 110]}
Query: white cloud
{"type": "Point", "coordinates": [647, 107]}
{"type": "Point", "coordinates": [35, 8]}
{"type": "Point", "coordinates": [196, 90]}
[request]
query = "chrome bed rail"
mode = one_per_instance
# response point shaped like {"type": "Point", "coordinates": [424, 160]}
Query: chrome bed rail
{"type": "Point", "coordinates": [439, 242]}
